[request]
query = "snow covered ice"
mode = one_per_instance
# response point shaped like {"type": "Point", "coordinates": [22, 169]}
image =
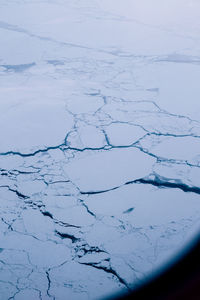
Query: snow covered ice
{"type": "Point", "coordinates": [99, 143]}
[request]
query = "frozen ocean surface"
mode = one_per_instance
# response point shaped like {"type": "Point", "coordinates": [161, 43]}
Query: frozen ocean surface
{"type": "Point", "coordinates": [99, 143]}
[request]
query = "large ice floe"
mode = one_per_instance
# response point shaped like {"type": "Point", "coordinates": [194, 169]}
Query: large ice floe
{"type": "Point", "coordinates": [99, 143]}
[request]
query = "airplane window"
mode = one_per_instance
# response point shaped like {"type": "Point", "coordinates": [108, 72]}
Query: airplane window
{"type": "Point", "coordinates": [100, 145]}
